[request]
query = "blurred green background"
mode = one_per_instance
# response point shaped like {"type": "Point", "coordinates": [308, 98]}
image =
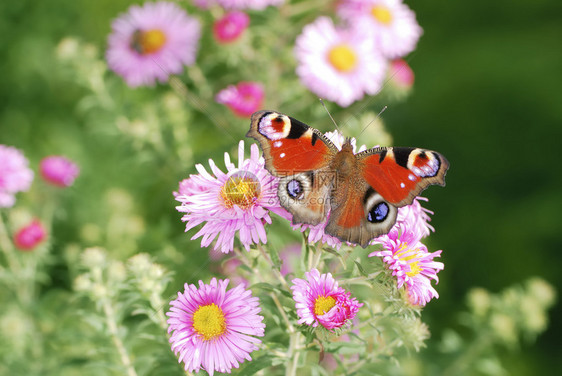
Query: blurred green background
{"type": "Point", "coordinates": [487, 96]}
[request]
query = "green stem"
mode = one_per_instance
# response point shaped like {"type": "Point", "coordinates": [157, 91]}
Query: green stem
{"type": "Point", "coordinates": [293, 354]}
{"type": "Point", "coordinates": [111, 322]}
{"type": "Point", "coordinates": [8, 248]}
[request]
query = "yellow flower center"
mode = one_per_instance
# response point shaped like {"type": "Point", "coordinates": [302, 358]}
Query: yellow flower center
{"type": "Point", "coordinates": [323, 304]}
{"type": "Point", "coordinates": [382, 14]}
{"type": "Point", "coordinates": [209, 321]}
{"type": "Point", "coordinates": [148, 42]}
{"type": "Point", "coordinates": [242, 189]}
{"type": "Point", "coordinates": [342, 57]}
{"type": "Point", "coordinates": [415, 268]}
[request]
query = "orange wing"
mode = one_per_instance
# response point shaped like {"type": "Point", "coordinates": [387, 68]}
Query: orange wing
{"type": "Point", "coordinates": [290, 146]}
{"type": "Point", "coordinates": [400, 174]}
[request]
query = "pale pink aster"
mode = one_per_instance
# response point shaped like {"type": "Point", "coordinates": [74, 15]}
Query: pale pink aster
{"type": "Point", "coordinates": [411, 263]}
{"type": "Point", "coordinates": [400, 74]}
{"type": "Point", "coordinates": [243, 99]}
{"type": "Point", "coordinates": [195, 184]}
{"type": "Point", "coordinates": [230, 27]}
{"type": "Point", "coordinates": [338, 64]}
{"type": "Point", "coordinates": [213, 328]}
{"type": "Point", "coordinates": [58, 170]}
{"type": "Point", "coordinates": [415, 216]}
{"type": "Point", "coordinates": [235, 203]}
{"type": "Point", "coordinates": [249, 4]}
{"type": "Point", "coordinates": [319, 300]}
{"type": "Point", "coordinates": [29, 236]}
{"type": "Point", "coordinates": [152, 41]}
{"type": "Point", "coordinates": [390, 23]}
{"type": "Point", "coordinates": [15, 175]}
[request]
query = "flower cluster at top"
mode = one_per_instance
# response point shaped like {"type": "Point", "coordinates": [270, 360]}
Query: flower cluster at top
{"type": "Point", "coordinates": [340, 61]}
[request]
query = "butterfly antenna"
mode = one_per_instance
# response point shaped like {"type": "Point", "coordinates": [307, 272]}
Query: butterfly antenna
{"type": "Point", "coordinates": [376, 117]}
{"type": "Point", "coordinates": [330, 115]}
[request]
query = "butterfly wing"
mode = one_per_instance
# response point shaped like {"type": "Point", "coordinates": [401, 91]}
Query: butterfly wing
{"type": "Point", "coordinates": [365, 203]}
{"type": "Point", "coordinates": [300, 156]}
{"type": "Point", "coordinates": [399, 174]}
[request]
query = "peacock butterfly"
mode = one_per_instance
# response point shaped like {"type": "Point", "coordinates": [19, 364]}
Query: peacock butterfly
{"type": "Point", "coordinates": [361, 192]}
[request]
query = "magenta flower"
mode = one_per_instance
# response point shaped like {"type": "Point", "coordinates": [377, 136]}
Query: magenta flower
{"type": "Point", "coordinates": [236, 203]}
{"type": "Point", "coordinates": [340, 65]}
{"type": "Point", "coordinates": [58, 170]}
{"type": "Point", "coordinates": [319, 300]}
{"type": "Point", "coordinates": [401, 74]}
{"type": "Point", "coordinates": [410, 262]}
{"type": "Point", "coordinates": [243, 99]}
{"type": "Point", "coordinates": [390, 23]}
{"type": "Point", "coordinates": [152, 41]}
{"type": "Point", "coordinates": [214, 328]}
{"type": "Point", "coordinates": [230, 27]}
{"type": "Point", "coordinates": [29, 236]}
{"type": "Point", "coordinates": [15, 175]}
{"type": "Point", "coordinates": [248, 4]}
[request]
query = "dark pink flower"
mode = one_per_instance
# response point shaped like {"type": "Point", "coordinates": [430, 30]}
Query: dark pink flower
{"type": "Point", "coordinates": [231, 26]}
{"type": "Point", "coordinates": [319, 300]}
{"type": "Point", "coordinates": [58, 170]}
{"type": "Point", "coordinates": [28, 237]}
{"type": "Point", "coordinates": [243, 99]}
{"type": "Point", "coordinates": [401, 74]}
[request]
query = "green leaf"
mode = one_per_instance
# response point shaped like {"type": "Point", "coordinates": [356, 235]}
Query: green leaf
{"type": "Point", "coordinates": [274, 258]}
{"type": "Point", "coordinates": [255, 365]}
{"type": "Point", "coordinates": [361, 270]}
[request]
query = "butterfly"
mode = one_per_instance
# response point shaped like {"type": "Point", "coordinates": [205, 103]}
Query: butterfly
{"type": "Point", "coordinates": [360, 192]}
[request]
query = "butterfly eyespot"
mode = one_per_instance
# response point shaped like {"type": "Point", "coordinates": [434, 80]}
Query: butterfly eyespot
{"type": "Point", "coordinates": [294, 189]}
{"type": "Point", "coordinates": [378, 213]}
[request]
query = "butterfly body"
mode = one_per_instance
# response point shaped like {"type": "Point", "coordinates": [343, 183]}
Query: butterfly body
{"type": "Point", "coordinates": [361, 193]}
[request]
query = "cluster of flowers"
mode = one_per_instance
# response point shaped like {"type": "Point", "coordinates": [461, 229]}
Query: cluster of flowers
{"type": "Point", "coordinates": [340, 63]}
{"type": "Point", "coordinates": [16, 176]}
{"type": "Point", "coordinates": [237, 204]}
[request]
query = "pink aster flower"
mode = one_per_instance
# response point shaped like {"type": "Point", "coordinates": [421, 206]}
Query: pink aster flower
{"type": "Point", "coordinates": [411, 263]}
{"type": "Point", "coordinates": [15, 175]}
{"type": "Point", "coordinates": [152, 41]}
{"type": "Point", "coordinates": [390, 23]}
{"type": "Point", "coordinates": [58, 170]}
{"type": "Point", "coordinates": [29, 236]}
{"type": "Point", "coordinates": [231, 26]}
{"type": "Point", "coordinates": [340, 65]}
{"type": "Point", "coordinates": [319, 300]}
{"type": "Point", "coordinates": [243, 99]}
{"type": "Point", "coordinates": [415, 217]}
{"type": "Point", "coordinates": [214, 328]}
{"type": "Point", "coordinates": [248, 4]}
{"type": "Point", "coordinates": [234, 203]}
